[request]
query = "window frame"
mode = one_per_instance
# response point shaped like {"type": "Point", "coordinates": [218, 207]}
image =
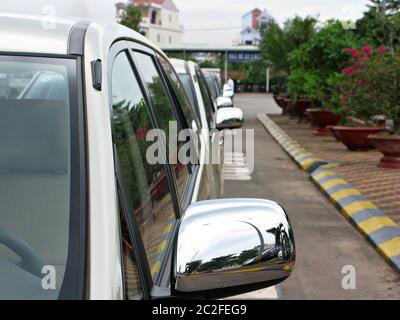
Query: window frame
{"type": "Point", "coordinates": [163, 279]}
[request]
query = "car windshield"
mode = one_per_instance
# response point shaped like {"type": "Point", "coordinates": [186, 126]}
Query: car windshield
{"type": "Point", "coordinates": [38, 178]}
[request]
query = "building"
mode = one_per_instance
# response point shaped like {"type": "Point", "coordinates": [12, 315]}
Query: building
{"type": "Point", "coordinates": [160, 22]}
{"type": "Point", "coordinates": [252, 24]}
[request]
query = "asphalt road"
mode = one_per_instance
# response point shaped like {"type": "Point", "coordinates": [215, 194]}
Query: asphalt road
{"type": "Point", "coordinates": [325, 241]}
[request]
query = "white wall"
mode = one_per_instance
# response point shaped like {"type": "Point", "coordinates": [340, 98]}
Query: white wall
{"type": "Point", "coordinates": [247, 20]}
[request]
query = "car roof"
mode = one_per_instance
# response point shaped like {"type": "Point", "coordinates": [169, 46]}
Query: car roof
{"type": "Point", "coordinates": [29, 33]}
{"type": "Point", "coordinates": [24, 33]}
{"type": "Point", "coordinates": [179, 65]}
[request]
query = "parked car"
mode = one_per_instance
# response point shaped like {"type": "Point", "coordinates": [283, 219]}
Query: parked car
{"type": "Point", "coordinates": [198, 92]}
{"type": "Point", "coordinates": [216, 72]}
{"type": "Point", "coordinates": [213, 84]}
{"type": "Point", "coordinates": [84, 212]}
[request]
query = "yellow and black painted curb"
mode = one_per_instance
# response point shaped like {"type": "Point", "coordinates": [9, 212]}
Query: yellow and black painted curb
{"type": "Point", "coordinates": [305, 160]}
{"type": "Point", "coordinates": [381, 231]}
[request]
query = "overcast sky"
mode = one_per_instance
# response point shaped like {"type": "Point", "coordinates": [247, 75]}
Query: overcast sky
{"type": "Point", "coordinates": [204, 14]}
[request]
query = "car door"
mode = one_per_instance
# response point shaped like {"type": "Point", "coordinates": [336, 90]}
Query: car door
{"type": "Point", "coordinates": [204, 187]}
{"type": "Point", "coordinates": [216, 138]}
{"type": "Point", "coordinates": [148, 193]}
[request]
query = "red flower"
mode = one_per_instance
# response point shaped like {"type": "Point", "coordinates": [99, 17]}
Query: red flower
{"type": "Point", "coordinates": [381, 50]}
{"type": "Point", "coordinates": [367, 51]}
{"type": "Point", "coordinates": [343, 100]}
{"type": "Point", "coordinates": [350, 71]}
{"type": "Point", "coordinates": [353, 52]}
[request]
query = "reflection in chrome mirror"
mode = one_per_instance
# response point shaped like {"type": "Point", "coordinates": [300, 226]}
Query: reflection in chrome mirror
{"type": "Point", "coordinates": [229, 118]}
{"type": "Point", "coordinates": [224, 102]}
{"type": "Point", "coordinates": [231, 243]}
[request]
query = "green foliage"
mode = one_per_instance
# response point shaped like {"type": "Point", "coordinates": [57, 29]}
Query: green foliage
{"type": "Point", "coordinates": [314, 62]}
{"type": "Point", "coordinates": [303, 84]}
{"type": "Point", "coordinates": [278, 84]}
{"type": "Point", "coordinates": [255, 71]}
{"type": "Point", "coordinates": [381, 23]}
{"type": "Point", "coordinates": [278, 42]}
{"type": "Point", "coordinates": [131, 18]}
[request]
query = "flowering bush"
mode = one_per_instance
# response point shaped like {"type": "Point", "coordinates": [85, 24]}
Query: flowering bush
{"type": "Point", "coordinates": [314, 62]}
{"type": "Point", "coordinates": [370, 85]}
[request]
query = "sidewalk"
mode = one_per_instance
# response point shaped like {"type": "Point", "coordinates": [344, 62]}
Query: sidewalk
{"type": "Point", "coordinates": [381, 186]}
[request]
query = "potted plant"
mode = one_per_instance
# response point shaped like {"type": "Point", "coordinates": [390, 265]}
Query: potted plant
{"type": "Point", "coordinates": [314, 63]}
{"type": "Point", "coordinates": [297, 88]}
{"type": "Point", "coordinates": [358, 99]}
{"type": "Point", "coordinates": [384, 80]}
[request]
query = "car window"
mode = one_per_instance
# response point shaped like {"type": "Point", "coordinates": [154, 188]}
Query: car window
{"type": "Point", "coordinates": [146, 184]}
{"type": "Point", "coordinates": [187, 83]}
{"type": "Point", "coordinates": [39, 192]}
{"type": "Point", "coordinates": [163, 111]}
{"type": "Point", "coordinates": [207, 100]}
{"type": "Point", "coordinates": [180, 93]}
{"type": "Point", "coordinates": [211, 86]}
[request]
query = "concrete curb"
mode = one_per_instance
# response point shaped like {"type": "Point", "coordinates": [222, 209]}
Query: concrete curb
{"type": "Point", "coordinates": [305, 160]}
{"type": "Point", "coordinates": [381, 231]}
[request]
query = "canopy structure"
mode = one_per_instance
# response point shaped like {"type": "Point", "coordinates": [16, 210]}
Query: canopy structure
{"type": "Point", "coordinates": [231, 53]}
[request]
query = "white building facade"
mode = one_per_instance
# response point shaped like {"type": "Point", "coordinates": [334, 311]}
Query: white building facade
{"type": "Point", "coordinates": [252, 24]}
{"type": "Point", "coordinates": [160, 22]}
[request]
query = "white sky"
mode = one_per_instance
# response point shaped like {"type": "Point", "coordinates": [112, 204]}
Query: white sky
{"type": "Point", "coordinates": [201, 14]}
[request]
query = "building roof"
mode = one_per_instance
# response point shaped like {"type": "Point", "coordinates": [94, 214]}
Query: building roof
{"type": "Point", "coordinates": [165, 4]}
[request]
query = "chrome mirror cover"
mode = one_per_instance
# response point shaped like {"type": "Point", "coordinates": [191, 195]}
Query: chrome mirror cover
{"type": "Point", "coordinates": [224, 102]}
{"type": "Point", "coordinates": [228, 93]}
{"type": "Point", "coordinates": [233, 242]}
{"type": "Point", "coordinates": [229, 118]}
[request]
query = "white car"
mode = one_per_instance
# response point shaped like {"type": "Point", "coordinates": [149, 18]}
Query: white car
{"type": "Point", "coordinates": [85, 213]}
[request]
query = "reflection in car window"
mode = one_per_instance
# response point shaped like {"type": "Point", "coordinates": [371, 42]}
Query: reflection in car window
{"type": "Point", "coordinates": [188, 86]}
{"type": "Point", "coordinates": [179, 91]}
{"type": "Point", "coordinates": [146, 184]}
{"type": "Point", "coordinates": [211, 86]}
{"type": "Point", "coordinates": [36, 178]}
{"type": "Point", "coordinates": [162, 108]}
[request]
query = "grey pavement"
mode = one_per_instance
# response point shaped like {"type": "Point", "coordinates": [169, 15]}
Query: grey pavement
{"type": "Point", "coordinates": [325, 240]}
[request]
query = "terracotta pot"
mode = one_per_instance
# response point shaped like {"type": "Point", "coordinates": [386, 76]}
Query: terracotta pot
{"type": "Point", "coordinates": [321, 119]}
{"type": "Point", "coordinates": [390, 147]}
{"type": "Point", "coordinates": [356, 138]}
{"type": "Point", "coordinates": [334, 132]}
{"type": "Point", "coordinates": [299, 108]}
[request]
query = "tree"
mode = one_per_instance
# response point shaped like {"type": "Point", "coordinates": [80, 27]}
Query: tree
{"type": "Point", "coordinates": [381, 23]}
{"type": "Point", "coordinates": [131, 18]}
{"type": "Point", "coordinates": [278, 42]}
{"type": "Point", "coordinates": [314, 62]}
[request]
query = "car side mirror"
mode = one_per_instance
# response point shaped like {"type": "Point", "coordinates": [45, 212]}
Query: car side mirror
{"type": "Point", "coordinates": [224, 102]}
{"type": "Point", "coordinates": [228, 93]}
{"type": "Point", "coordinates": [229, 118]}
{"type": "Point", "coordinates": [232, 246]}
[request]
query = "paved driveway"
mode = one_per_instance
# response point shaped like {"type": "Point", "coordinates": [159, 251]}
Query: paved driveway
{"type": "Point", "coordinates": [325, 241]}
